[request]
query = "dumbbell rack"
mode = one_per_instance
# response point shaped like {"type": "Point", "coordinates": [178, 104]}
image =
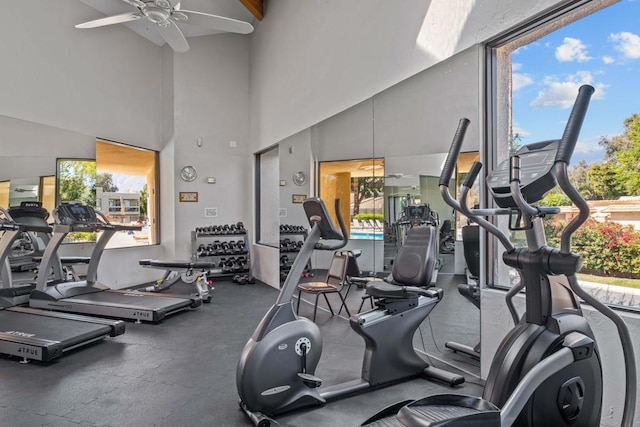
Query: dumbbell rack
{"type": "Point", "coordinates": [289, 251]}
{"type": "Point", "coordinates": [227, 247]}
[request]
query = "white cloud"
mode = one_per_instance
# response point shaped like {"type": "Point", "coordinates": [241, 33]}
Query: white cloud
{"type": "Point", "coordinates": [516, 66]}
{"type": "Point", "coordinates": [627, 43]}
{"type": "Point", "coordinates": [563, 93]}
{"type": "Point", "coordinates": [517, 130]}
{"type": "Point", "coordinates": [589, 146]}
{"type": "Point", "coordinates": [519, 80]}
{"type": "Point", "coordinates": [608, 60]}
{"type": "Point", "coordinates": [572, 49]}
{"type": "Point", "coordinates": [517, 51]}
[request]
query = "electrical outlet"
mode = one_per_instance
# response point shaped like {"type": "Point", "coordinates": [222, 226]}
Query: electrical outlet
{"type": "Point", "coordinates": [283, 212]}
{"type": "Point", "coordinates": [210, 212]}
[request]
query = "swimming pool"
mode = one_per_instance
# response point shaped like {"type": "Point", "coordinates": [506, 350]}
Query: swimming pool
{"type": "Point", "coordinates": [363, 235]}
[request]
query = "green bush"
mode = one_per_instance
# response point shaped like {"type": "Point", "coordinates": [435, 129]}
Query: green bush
{"type": "Point", "coordinates": [555, 199]}
{"type": "Point", "coordinates": [607, 248]}
{"type": "Point", "coordinates": [364, 216]}
{"type": "Point", "coordinates": [81, 236]}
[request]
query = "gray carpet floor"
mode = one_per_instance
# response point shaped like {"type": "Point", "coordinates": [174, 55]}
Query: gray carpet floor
{"type": "Point", "coordinates": [182, 370]}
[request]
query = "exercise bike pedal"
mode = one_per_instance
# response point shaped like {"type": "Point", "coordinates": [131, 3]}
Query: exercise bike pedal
{"type": "Point", "coordinates": [309, 380]}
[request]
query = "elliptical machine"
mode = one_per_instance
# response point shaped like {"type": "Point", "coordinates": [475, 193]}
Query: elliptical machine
{"type": "Point", "coordinates": [547, 370]}
{"type": "Point", "coordinates": [276, 370]}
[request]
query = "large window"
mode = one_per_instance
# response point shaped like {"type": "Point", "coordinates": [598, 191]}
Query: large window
{"type": "Point", "coordinates": [537, 74]}
{"type": "Point", "coordinates": [120, 183]}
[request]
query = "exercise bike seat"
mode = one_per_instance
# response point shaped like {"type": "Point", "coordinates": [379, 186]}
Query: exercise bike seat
{"type": "Point", "coordinates": [382, 289]}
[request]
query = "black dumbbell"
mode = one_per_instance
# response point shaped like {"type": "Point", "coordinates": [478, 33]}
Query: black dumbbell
{"type": "Point", "coordinates": [240, 228]}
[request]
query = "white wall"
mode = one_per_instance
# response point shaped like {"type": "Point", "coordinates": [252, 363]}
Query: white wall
{"type": "Point", "coordinates": [311, 60]}
{"type": "Point", "coordinates": [103, 82]}
{"type": "Point", "coordinates": [211, 102]}
{"type": "Point", "coordinates": [62, 87]}
{"type": "Point", "coordinates": [295, 156]}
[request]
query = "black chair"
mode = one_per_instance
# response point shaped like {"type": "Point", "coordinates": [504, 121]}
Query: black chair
{"type": "Point", "coordinates": [415, 262]}
{"type": "Point", "coordinates": [334, 283]}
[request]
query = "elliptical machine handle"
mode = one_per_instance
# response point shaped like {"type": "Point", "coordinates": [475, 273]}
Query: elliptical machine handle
{"type": "Point", "coordinates": [454, 153]}
{"type": "Point", "coordinates": [473, 174]}
{"type": "Point", "coordinates": [343, 229]}
{"type": "Point", "coordinates": [574, 123]}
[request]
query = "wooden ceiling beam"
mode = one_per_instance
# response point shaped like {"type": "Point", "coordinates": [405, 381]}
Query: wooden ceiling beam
{"type": "Point", "coordinates": [256, 7]}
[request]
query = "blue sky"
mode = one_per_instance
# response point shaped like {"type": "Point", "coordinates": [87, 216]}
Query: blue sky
{"type": "Point", "coordinates": [602, 50]}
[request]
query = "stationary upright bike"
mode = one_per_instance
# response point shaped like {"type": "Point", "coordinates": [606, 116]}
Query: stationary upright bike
{"type": "Point", "coordinates": [276, 372]}
{"type": "Point", "coordinates": [547, 370]}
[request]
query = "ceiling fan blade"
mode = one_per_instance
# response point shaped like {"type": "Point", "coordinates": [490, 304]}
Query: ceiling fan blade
{"type": "Point", "coordinates": [109, 20]}
{"type": "Point", "coordinates": [173, 36]}
{"type": "Point", "coordinates": [215, 22]}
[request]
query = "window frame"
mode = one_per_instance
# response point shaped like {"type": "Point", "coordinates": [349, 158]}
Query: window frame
{"type": "Point", "coordinates": [497, 91]}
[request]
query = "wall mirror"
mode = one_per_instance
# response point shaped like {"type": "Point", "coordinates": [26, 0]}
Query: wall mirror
{"type": "Point", "coordinates": [382, 158]}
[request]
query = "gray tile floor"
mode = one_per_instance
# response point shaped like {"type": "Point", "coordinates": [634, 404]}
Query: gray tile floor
{"type": "Point", "coordinates": [182, 371]}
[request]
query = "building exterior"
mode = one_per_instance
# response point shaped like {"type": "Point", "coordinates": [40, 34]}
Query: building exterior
{"type": "Point", "coordinates": [123, 208]}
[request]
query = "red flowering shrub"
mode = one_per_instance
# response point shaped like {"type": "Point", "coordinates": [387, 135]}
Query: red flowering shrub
{"type": "Point", "coordinates": [607, 248]}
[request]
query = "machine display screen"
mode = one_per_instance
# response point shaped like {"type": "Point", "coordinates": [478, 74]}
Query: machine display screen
{"type": "Point", "coordinates": [76, 213]}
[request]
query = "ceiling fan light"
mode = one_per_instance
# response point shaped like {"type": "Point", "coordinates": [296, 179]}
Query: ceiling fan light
{"type": "Point", "coordinates": [156, 15]}
{"type": "Point", "coordinates": [165, 4]}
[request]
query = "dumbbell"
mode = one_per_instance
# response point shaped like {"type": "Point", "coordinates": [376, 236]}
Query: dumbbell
{"type": "Point", "coordinates": [202, 250]}
{"type": "Point", "coordinates": [240, 247]}
{"type": "Point", "coordinates": [240, 228]}
{"type": "Point", "coordinates": [284, 261]}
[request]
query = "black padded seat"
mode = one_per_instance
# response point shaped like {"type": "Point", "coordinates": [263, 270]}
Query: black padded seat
{"type": "Point", "coordinates": [414, 266]}
{"type": "Point", "coordinates": [75, 259]}
{"type": "Point", "coordinates": [176, 264]}
{"type": "Point", "coordinates": [68, 260]}
{"type": "Point", "coordinates": [381, 289]}
{"type": "Point", "coordinates": [416, 259]}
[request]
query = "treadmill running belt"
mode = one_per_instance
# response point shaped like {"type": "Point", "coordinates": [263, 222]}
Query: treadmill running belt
{"type": "Point", "coordinates": [68, 332]}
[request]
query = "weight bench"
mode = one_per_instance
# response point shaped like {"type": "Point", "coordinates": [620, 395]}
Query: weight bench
{"type": "Point", "coordinates": [176, 271]}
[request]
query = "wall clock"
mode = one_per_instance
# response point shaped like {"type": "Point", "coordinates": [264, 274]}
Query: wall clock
{"type": "Point", "coordinates": [299, 178]}
{"type": "Point", "coordinates": [188, 173]}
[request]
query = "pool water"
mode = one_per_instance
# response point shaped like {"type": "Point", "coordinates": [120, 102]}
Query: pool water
{"type": "Point", "coordinates": [360, 235]}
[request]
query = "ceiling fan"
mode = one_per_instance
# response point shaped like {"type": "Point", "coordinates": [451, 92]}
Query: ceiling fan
{"type": "Point", "coordinates": [24, 190]}
{"type": "Point", "coordinates": [166, 14]}
{"type": "Point", "coordinates": [398, 175]}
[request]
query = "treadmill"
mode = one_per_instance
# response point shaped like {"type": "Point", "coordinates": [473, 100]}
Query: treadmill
{"type": "Point", "coordinates": [32, 213]}
{"type": "Point", "coordinates": [39, 334]}
{"type": "Point", "coordinates": [88, 296]}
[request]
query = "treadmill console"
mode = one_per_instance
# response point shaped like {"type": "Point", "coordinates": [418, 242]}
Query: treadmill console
{"type": "Point", "coordinates": [537, 176]}
{"type": "Point", "coordinates": [29, 210]}
{"type": "Point", "coordinates": [75, 213]}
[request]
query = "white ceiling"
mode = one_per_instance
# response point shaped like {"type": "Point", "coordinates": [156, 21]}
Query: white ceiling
{"type": "Point", "coordinates": [227, 8]}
